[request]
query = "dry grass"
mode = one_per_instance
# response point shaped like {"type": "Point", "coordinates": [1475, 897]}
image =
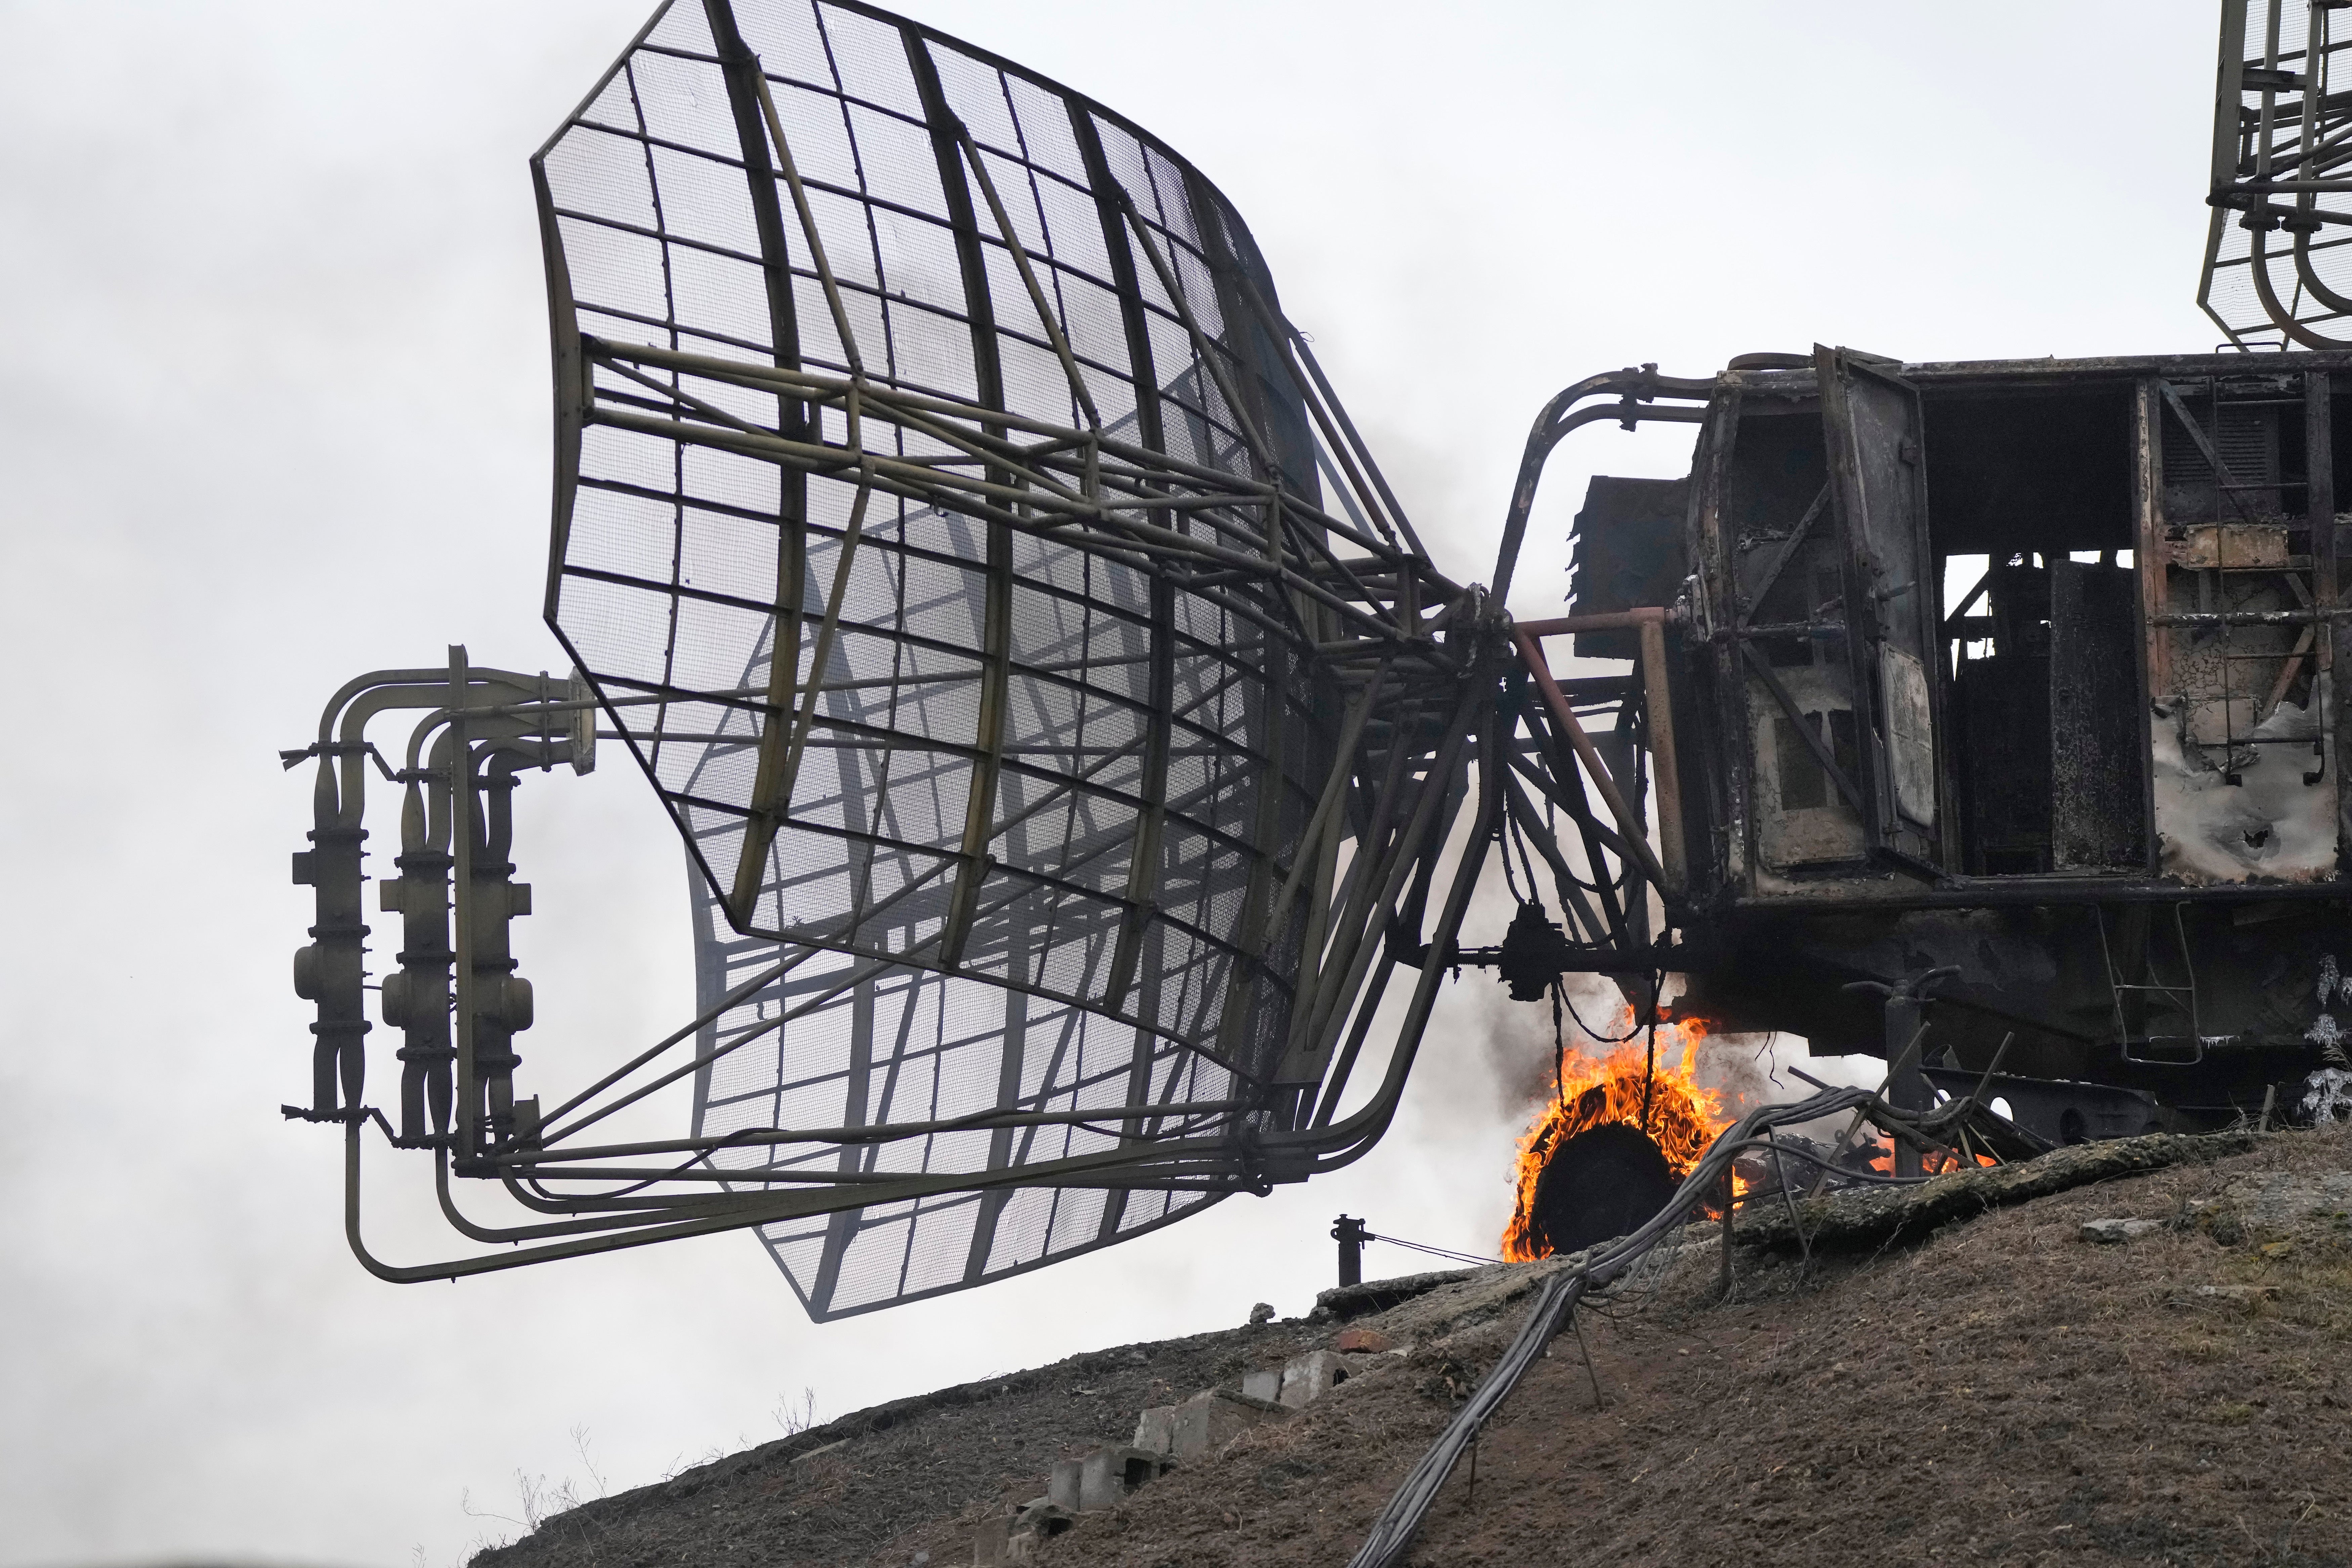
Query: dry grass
{"type": "Point", "coordinates": [1999, 1391]}
{"type": "Point", "coordinates": [2002, 1391]}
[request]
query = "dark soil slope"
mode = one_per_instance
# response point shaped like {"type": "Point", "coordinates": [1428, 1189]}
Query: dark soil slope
{"type": "Point", "coordinates": [914, 1476]}
{"type": "Point", "coordinates": [1999, 1390]}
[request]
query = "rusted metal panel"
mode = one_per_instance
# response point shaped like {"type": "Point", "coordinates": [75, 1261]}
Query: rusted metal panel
{"type": "Point", "coordinates": [1658, 711]}
{"type": "Point", "coordinates": [1903, 692]}
{"type": "Point", "coordinates": [2325, 528]}
{"type": "Point", "coordinates": [1730, 762]}
{"type": "Point", "coordinates": [2147, 515]}
{"type": "Point", "coordinates": [2239, 546]}
{"type": "Point", "coordinates": [2341, 713]}
{"type": "Point", "coordinates": [1874, 426]}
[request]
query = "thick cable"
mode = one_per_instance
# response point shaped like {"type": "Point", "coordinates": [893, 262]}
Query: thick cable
{"type": "Point", "coordinates": [1589, 1032]}
{"type": "Point", "coordinates": [1510, 878]}
{"type": "Point", "coordinates": [1650, 1067]}
{"type": "Point", "coordinates": [1558, 1045]}
{"type": "Point", "coordinates": [1393, 1533]}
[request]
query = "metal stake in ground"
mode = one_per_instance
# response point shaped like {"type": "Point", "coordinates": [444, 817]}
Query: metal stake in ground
{"type": "Point", "coordinates": [1906, 1019]}
{"type": "Point", "coordinates": [1350, 1236]}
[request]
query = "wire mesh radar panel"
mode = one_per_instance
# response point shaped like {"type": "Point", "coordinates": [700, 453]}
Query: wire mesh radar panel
{"type": "Point", "coordinates": [2277, 269]}
{"type": "Point", "coordinates": [1075, 748]}
{"type": "Point", "coordinates": [951, 522]}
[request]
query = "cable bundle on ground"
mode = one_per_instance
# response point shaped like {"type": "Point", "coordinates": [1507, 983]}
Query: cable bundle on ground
{"type": "Point", "coordinates": [1392, 1531]}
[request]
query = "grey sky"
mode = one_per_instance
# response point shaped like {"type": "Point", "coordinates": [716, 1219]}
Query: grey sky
{"type": "Point", "coordinates": [274, 411]}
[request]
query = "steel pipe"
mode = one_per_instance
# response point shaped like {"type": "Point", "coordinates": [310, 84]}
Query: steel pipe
{"type": "Point", "coordinates": [1636, 837]}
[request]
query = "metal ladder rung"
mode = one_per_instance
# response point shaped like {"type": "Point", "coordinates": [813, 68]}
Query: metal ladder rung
{"type": "Point", "coordinates": [2180, 1001]}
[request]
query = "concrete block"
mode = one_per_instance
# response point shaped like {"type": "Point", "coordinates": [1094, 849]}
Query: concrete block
{"type": "Point", "coordinates": [1267, 1385]}
{"type": "Point", "coordinates": [1155, 1429]}
{"type": "Point", "coordinates": [1108, 1475]}
{"type": "Point", "coordinates": [1311, 1377]}
{"type": "Point", "coordinates": [1062, 1487]}
{"type": "Point", "coordinates": [1013, 1537]}
{"type": "Point", "coordinates": [1042, 1517]}
{"type": "Point", "coordinates": [1215, 1418]}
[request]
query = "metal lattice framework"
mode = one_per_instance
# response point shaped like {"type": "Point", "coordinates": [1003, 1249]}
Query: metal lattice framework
{"type": "Point", "coordinates": [1065, 727]}
{"type": "Point", "coordinates": [2277, 268]}
{"type": "Point", "coordinates": [988, 395]}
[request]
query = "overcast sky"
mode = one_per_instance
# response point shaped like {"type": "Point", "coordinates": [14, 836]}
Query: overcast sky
{"type": "Point", "coordinates": [273, 411]}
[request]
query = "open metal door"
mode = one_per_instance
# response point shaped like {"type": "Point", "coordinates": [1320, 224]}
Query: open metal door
{"type": "Point", "coordinates": [1872, 424]}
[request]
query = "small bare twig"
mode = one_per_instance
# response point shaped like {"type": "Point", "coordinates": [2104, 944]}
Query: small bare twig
{"type": "Point", "coordinates": [1804, 1244]}
{"type": "Point", "coordinates": [580, 1441]}
{"type": "Point", "coordinates": [1576, 1321]}
{"type": "Point", "coordinates": [1724, 1281]}
{"type": "Point", "coordinates": [795, 1420]}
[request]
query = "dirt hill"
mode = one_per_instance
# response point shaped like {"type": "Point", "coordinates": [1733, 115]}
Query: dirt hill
{"type": "Point", "coordinates": [1999, 1389]}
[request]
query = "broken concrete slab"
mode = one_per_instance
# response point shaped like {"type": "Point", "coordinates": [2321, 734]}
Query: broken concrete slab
{"type": "Point", "coordinates": [1346, 1301]}
{"type": "Point", "coordinates": [1109, 1476]}
{"type": "Point", "coordinates": [1155, 1430]}
{"type": "Point", "coordinates": [1014, 1537]}
{"type": "Point", "coordinates": [992, 1543]}
{"type": "Point", "coordinates": [2111, 1232]}
{"type": "Point", "coordinates": [1264, 1384]}
{"type": "Point", "coordinates": [1311, 1377]}
{"type": "Point", "coordinates": [1062, 1485]}
{"type": "Point", "coordinates": [1211, 1419]}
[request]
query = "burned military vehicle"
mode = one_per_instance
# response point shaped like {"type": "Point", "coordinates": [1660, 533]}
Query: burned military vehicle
{"type": "Point", "coordinates": [2006, 706]}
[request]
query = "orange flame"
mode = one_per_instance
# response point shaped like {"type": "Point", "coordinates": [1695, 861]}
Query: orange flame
{"type": "Point", "coordinates": [1932, 1162]}
{"type": "Point", "coordinates": [1684, 1118]}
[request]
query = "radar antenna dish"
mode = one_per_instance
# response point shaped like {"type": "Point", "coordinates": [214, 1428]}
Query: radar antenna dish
{"type": "Point", "coordinates": [1065, 725]}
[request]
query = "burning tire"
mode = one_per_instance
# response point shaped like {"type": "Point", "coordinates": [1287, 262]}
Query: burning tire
{"type": "Point", "coordinates": [1609, 1145]}
{"type": "Point", "coordinates": [1601, 1183]}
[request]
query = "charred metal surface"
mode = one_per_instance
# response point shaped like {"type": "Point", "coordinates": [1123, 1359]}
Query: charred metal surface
{"type": "Point", "coordinates": [2098, 775]}
{"type": "Point", "coordinates": [2058, 1110]}
{"type": "Point", "coordinates": [1629, 553]}
{"type": "Point", "coordinates": [2025, 668]}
